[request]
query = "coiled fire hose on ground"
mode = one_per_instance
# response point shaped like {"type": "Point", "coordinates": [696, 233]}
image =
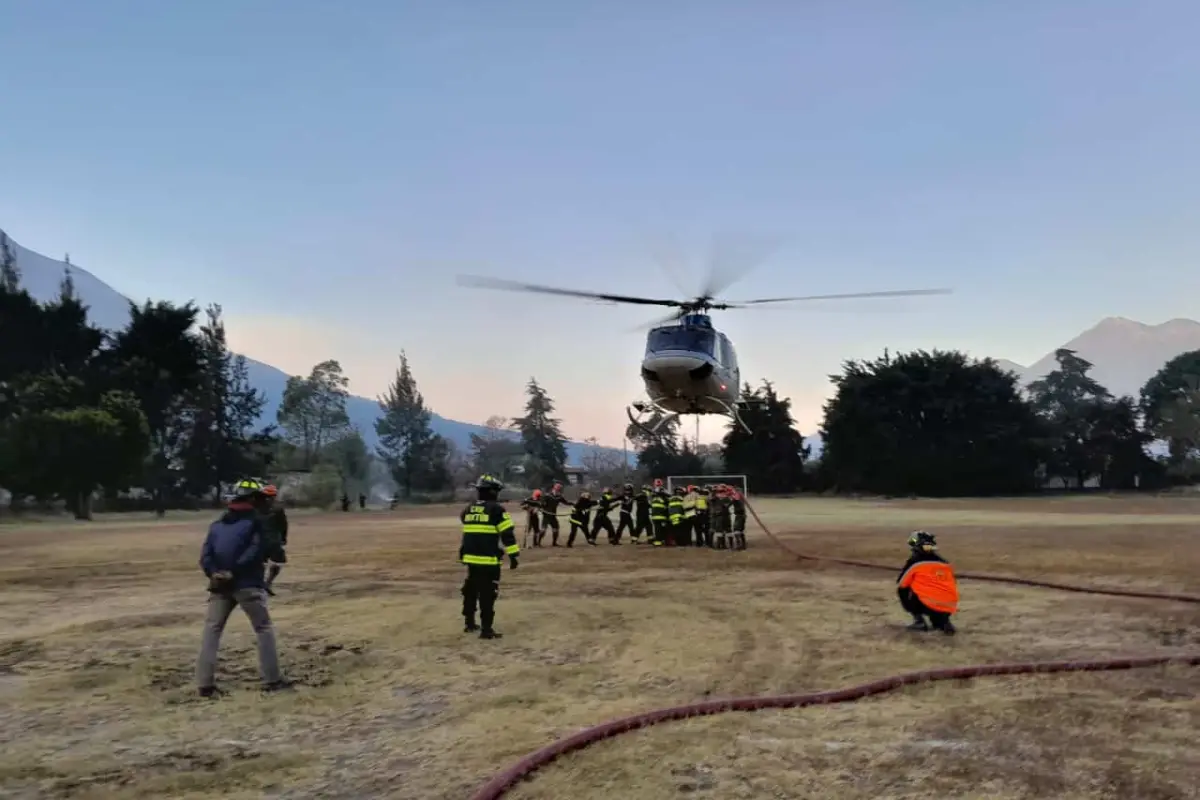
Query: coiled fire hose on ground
{"type": "Point", "coordinates": [499, 785]}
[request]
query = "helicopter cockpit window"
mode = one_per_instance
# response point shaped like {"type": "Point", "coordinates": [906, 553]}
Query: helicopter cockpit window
{"type": "Point", "coordinates": [682, 338]}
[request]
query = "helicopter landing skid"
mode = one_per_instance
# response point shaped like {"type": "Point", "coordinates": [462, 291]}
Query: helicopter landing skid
{"type": "Point", "coordinates": [732, 412]}
{"type": "Point", "coordinates": [645, 408]}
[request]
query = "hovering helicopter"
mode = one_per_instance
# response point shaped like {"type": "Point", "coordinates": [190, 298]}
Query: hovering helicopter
{"type": "Point", "coordinates": [689, 367]}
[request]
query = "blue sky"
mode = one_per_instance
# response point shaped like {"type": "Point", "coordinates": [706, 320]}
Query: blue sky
{"type": "Point", "coordinates": [323, 170]}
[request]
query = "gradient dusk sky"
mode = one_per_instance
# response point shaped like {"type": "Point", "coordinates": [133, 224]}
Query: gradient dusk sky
{"type": "Point", "coordinates": [324, 169]}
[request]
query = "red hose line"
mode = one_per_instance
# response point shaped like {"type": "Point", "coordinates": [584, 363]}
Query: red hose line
{"type": "Point", "coordinates": [978, 576]}
{"type": "Point", "coordinates": [499, 785]}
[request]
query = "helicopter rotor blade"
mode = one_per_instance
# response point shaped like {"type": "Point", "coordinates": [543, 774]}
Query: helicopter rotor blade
{"type": "Point", "coordinates": [645, 326]}
{"type": "Point", "coordinates": [481, 282]}
{"type": "Point", "coordinates": [670, 260]}
{"type": "Point", "coordinates": [850, 296]}
{"type": "Point", "coordinates": [728, 264]}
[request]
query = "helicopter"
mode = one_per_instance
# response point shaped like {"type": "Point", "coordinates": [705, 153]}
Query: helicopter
{"type": "Point", "coordinates": [688, 367]}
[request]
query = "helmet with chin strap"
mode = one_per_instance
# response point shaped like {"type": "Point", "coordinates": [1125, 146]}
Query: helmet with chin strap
{"type": "Point", "coordinates": [922, 541]}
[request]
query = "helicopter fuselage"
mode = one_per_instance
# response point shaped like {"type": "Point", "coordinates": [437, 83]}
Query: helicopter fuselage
{"type": "Point", "coordinates": [691, 368]}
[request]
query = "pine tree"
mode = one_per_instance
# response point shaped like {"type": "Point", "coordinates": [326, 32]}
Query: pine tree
{"type": "Point", "coordinates": [1070, 403]}
{"type": "Point", "coordinates": [222, 445]}
{"type": "Point", "coordinates": [158, 358]}
{"type": "Point", "coordinates": [542, 437]}
{"type": "Point", "coordinates": [10, 273]}
{"type": "Point", "coordinates": [772, 455]}
{"type": "Point", "coordinates": [415, 455]}
{"type": "Point", "coordinates": [66, 287]}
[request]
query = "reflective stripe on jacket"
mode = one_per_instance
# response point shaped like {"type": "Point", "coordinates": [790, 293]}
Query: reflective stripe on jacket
{"type": "Point", "coordinates": [487, 534]}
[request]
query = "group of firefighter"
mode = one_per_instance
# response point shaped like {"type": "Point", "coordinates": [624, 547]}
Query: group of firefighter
{"type": "Point", "coordinates": [712, 515]}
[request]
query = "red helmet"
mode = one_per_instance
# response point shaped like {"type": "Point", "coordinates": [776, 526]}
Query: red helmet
{"type": "Point", "coordinates": [658, 482]}
{"type": "Point", "coordinates": [537, 493]}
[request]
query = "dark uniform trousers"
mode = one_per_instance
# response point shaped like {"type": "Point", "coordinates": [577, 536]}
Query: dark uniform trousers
{"type": "Point", "coordinates": [641, 518]}
{"type": "Point", "coordinates": [603, 522]}
{"type": "Point", "coordinates": [625, 523]}
{"type": "Point", "coordinates": [481, 588]}
{"type": "Point", "coordinates": [675, 523]}
{"type": "Point", "coordinates": [579, 523]}
{"type": "Point", "coordinates": [687, 529]}
{"type": "Point", "coordinates": [701, 528]}
{"type": "Point", "coordinates": [658, 518]}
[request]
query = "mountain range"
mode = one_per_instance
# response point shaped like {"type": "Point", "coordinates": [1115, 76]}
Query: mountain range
{"type": "Point", "coordinates": [109, 309]}
{"type": "Point", "coordinates": [1125, 353]}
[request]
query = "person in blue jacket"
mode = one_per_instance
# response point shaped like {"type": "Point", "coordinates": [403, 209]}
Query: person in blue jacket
{"type": "Point", "coordinates": [234, 561]}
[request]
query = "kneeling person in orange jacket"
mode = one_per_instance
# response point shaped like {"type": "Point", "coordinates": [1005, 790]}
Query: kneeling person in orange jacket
{"type": "Point", "coordinates": [927, 586]}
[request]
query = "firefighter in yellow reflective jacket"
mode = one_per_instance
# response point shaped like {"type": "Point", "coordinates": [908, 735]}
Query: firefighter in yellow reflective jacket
{"type": "Point", "coordinates": [488, 535]}
{"type": "Point", "coordinates": [658, 513]}
{"type": "Point", "coordinates": [703, 531]}
{"type": "Point", "coordinates": [688, 526]}
{"type": "Point", "coordinates": [675, 512]}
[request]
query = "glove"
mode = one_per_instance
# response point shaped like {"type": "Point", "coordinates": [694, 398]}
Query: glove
{"type": "Point", "coordinates": [512, 562]}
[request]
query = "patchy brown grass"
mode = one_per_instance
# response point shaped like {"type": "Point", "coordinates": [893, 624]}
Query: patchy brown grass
{"type": "Point", "coordinates": [99, 625]}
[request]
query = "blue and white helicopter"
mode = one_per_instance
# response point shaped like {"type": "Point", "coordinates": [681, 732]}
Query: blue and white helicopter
{"type": "Point", "coordinates": [689, 367]}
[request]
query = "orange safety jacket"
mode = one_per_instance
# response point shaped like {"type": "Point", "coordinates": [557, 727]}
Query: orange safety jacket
{"type": "Point", "coordinates": [932, 581]}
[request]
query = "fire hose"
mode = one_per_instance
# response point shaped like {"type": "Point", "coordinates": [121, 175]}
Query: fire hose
{"type": "Point", "coordinates": [499, 785]}
{"type": "Point", "coordinates": [977, 576]}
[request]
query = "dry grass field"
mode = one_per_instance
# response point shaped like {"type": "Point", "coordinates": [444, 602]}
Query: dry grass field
{"type": "Point", "coordinates": [99, 624]}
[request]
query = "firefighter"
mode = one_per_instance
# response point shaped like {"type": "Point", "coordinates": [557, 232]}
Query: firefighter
{"type": "Point", "coordinates": [721, 516]}
{"type": "Point", "coordinates": [641, 515]}
{"type": "Point", "coordinates": [926, 586]}
{"type": "Point", "coordinates": [737, 504]}
{"type": "Point", "coordinates": [658, 513]}
{"type": "Point", "coordinates": [703, 531]}
{"type": "Point", "coordinates": [550, 503]}
{"type": "Point", "coordinates": [487, 537]}
{"type": "Point", "coordinates": [687, 525]}
{"type": "Point", "coordinates": [531, 505]}
{"type": "Point", "coordinates": [603, 523]}
{"type": "Point", "coordinates": [580, 517]}
{"type": "Point", "coordinates": [625, 519]}
{"type": "Point", "coordinates": [275, 525]}
{"type": "Point", "coordinates": [675, 514]}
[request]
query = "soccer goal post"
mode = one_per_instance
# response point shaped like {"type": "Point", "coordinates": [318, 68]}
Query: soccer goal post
{"type": "Point", "coordinates": [736, 481]}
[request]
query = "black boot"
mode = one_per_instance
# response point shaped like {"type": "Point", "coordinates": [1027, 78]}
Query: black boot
{"type": "Point", "coordinates": [489, 633]}
{"type": "Point", "coordinates": [470, 627]}
{"type": "Point", "coordinates": [918, 624]}
{"type": "Point", "coordinates": [946, 627]}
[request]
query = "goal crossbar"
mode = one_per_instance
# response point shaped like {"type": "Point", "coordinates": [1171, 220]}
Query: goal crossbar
{"type": "Point", "coordinates": [736, 481]}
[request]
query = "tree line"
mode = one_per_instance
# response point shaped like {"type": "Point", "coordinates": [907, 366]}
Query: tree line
{"type": "Point", "coordinates": [162, 406]}
{"type": "Point", "coordinates": [942, 423]}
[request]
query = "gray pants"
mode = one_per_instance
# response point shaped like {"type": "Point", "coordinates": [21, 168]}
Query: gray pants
{"type": "Point", "coordinates": [254, 603]}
